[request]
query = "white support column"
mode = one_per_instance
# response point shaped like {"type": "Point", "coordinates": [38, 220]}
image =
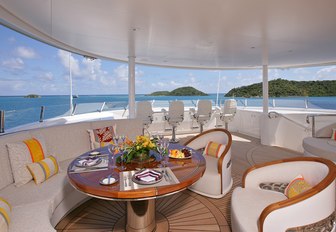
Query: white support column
{"type": "Point", "coordinates": [265, 89]}
{"type": "Point", "coordinates": [131, 74]}
{"type": "Point", "coordinates": [70, 83]}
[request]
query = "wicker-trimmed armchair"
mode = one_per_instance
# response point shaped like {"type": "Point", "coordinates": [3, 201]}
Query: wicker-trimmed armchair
{"type": "Point", "coordinates": [254, 209]}
{"type": "Point", "coordinates": [217, 180]}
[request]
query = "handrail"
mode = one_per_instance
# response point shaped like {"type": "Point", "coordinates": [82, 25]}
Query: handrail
{"type": "Point", "coordinates": [274, 114]}
{"type": "Point", "coordinates": [313, 116]}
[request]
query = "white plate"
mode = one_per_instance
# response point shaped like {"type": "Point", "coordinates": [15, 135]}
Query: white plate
{"type": "Point", "coordinates": [108, 181]}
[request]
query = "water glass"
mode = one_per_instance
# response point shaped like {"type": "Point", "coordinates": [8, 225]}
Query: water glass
{"type": "Point", "coordinates": [165, 144]}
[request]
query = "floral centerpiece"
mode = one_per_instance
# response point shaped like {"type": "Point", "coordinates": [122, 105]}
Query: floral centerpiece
{"type": "Point", "coordinates": [139, 149]}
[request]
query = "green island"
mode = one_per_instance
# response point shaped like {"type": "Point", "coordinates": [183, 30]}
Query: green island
{"type": "Point", "coordinates": [286, 88]}
{"type": "Point", "coordinates": [183, 91]}
{"type": "Point", "coordinates": [32, 96]}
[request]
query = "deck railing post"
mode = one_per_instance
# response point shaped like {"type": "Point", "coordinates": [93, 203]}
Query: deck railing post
{"type": "Point", "coordinates": [42, 114]}
{"type": "Point", "coordinates": [2, 121]}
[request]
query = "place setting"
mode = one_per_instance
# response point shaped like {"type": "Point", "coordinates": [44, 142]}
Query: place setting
{"type": "Point", "coordinates": [146, 177]}
{"type": "Point", "coordinates": [90, 163]}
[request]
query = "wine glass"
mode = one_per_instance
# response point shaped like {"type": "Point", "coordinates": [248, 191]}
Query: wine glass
{"type": "Point", "coordinates": [112, 148]}
{"type": "Point", "coordinates": [155, 136]}
{"type": "Point", "coordinates": [122, 147]}
{"type": "Point", "coordinates": [165, 144]}
{"type": "Point", "coordinates": [160, 148]}
{"type": "Point", "coordinates": [161, 137]}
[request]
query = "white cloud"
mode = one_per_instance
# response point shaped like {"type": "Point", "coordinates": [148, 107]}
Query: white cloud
{"type": "Point", "coordinates": [13, 63]}
{"type": "Point", "coordinates": [25, 52]}
{"type": "Point", "coordinates": [48, 76]}
{"type": "Point", "coordinates": [327, 73]}
{"type": "Point", "coordinates": [64, 56]}
{"type": "Point", "coordinates": [121, 72]}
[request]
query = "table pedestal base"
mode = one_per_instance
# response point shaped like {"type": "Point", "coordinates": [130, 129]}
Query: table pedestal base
{"type": "Point", "coordinates": [141, 216]}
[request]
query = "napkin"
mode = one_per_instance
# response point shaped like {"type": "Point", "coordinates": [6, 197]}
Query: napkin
{"type": "Point", "coordinates": [88, 161]}
{"type": "Point", "coordinates": [148, 175]}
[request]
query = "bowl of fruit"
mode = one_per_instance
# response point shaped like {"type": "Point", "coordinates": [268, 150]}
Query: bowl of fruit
{"type": "Point", "coordinates": [180, 154]}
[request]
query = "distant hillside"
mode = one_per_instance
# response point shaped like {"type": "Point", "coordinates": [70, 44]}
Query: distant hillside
{"type": "Point", "coordinates": [183, 91]}
{"type": "Point", "coordinates": [32, 96]}
{"type": "Point", "coordinates": [285, 88]}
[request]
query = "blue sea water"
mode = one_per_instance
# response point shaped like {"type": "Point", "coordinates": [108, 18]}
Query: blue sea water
{"type": "Point", "coordinates": [20, 110]}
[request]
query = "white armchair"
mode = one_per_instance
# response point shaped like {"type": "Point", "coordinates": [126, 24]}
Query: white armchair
{"type": "Point", "coordinates": [216, 180]}
{"type": "Point", "coordinates": [254, 209]}
{"type": "Point", "coordinates": [228, 111]}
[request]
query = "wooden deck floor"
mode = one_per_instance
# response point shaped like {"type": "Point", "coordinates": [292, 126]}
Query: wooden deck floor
{"type": "Point", "coordinates": [185, 211]}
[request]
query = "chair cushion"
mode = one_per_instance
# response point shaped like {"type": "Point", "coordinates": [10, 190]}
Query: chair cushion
{"type": "Point", "coordinates": [23, 153]}
{"type": "Point", "coordinates": [43, 169]}
{"type": "Point", "coordinates": [5, 214]}
{"type": "Point", "coordinates": [247, 205]}
{"type": "Point", "coordinates": [297, 186]}
{"type": "Point", "coordinates": [214, 149]}
{"type": "Point", "coordinates": [101, 137]}
{"type": "Point", "coordinates": [209, 184]}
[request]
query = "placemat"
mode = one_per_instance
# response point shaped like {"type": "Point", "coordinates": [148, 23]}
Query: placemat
{"type": "Point", "coordinates": [126, 182]}
{"type": "Point", "coordinates": [102, 166]}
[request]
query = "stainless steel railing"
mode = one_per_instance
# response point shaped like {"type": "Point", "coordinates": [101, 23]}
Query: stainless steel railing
{"type": "Point", "coordinates": [2, 121]}
{"type": "Point", "coordinates": [274, 114]}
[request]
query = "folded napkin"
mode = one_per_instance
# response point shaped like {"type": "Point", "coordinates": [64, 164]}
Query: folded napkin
{"type": "Point", "coordinates": [87, 162]}
{"type": "Point", "coordinates": [148, 175]}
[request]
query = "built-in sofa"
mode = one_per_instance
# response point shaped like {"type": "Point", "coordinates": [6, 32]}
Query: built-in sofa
{"type": "Point", "coordinates": [321, 145]}
{"type": "Point", "coordinates": [38, 208]}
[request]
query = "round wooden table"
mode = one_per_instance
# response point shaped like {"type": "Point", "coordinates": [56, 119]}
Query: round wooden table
{"type": "Point", "coordinates": [140, 202]}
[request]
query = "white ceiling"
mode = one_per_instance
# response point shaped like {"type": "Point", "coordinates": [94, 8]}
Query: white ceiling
{"type": "Point", "coordinates": [225, 34]}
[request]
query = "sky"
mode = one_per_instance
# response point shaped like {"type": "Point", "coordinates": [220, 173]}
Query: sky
{"type": "Point", "coordinates": [28, 66]}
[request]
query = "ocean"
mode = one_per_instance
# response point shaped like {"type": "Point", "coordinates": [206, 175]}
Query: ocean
{"type": "Point", "coordinates": [20, 110]}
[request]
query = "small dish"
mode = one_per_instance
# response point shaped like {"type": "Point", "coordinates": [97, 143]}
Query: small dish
{"type": "Point", "coordinates": [180, 154]}
{"type": "Point", "coordinates": [108, 180]}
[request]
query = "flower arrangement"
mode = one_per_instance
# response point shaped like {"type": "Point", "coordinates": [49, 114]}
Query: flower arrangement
{"type": "Point", "coordinates": [138, 149]}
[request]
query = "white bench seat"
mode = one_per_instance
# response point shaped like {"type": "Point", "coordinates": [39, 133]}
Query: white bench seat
{"type": "Point", "coordinates": [38, 208]}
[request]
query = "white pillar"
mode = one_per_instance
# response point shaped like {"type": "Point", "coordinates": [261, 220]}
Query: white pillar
{"type": "Point", "coordinates": [131, 74]}
{"type": "Point", "coordinates": [265, 89]}
{"type": "Point", "coordinates": [131, 86]}
{"type": "Point", "coordinates": [70, 83]}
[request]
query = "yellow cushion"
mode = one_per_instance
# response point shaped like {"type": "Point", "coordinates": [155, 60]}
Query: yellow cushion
{"type": "Point", "coordinates": [297, 186]}
{"type": "Point", "coordinates": [5, 213]}
{"type": "Point", "coordinates": [43, 169]}
{"type": "Point", "coordinates": [214, 149]}
{"type": "Point", "coordinates": [333, 134]}
{"type": "Point", "coordinates": [23, 153]}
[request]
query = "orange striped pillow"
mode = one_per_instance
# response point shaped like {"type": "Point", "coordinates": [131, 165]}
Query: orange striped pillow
{"type": "Point", "coordinates": [214, 149]}
{"type": "Point", "coordinates": [44, 169]}
{"type": "Point", "coordinates": [333, 134]}
{"type": "Point", "coordinates": [23, 153]}
{"type": "Point", "coordinates": [5, 214]}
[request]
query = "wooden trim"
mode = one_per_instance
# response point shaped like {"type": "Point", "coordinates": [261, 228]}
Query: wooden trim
{"type": "Point", "coordinates": [222, 156]}
{"type": "Point", "coordinates": [313, 191]}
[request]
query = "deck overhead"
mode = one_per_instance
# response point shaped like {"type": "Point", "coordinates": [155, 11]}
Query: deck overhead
{"type": "Point", "coordinates": [218, 34]}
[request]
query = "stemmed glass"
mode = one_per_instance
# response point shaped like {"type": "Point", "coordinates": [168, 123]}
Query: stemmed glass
{"type": "Point", "coordinates": [122, 147]}
{"type": "Point", "coordinates": [160, 148]}
{"type": "Point", "coordinates": [165, 145]}
{"type": "Point", "coordinates": [112, 149]}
